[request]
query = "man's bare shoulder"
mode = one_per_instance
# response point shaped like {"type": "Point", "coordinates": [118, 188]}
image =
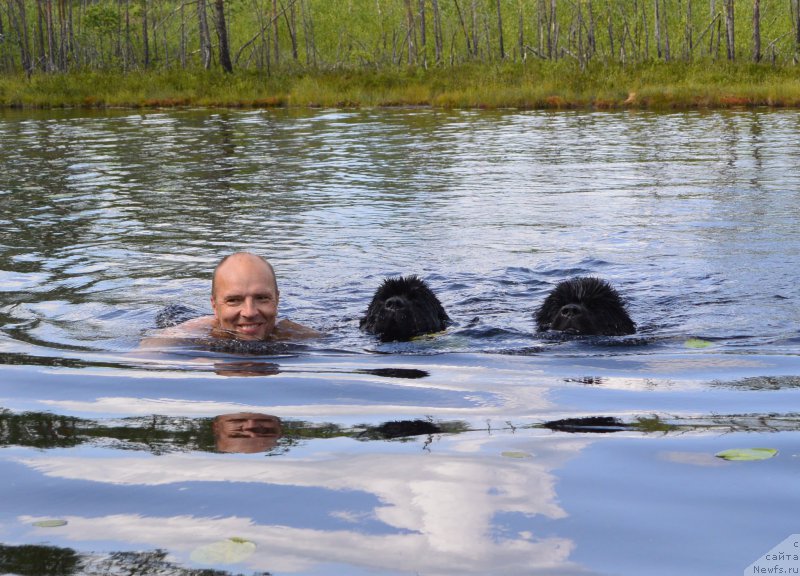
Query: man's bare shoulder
{"type": "Point", "coordinates": [289, 330]}
{"type": "Point", "coordinates": [194, 328]}
{"type": "Point", "coordinates": [203, 327]}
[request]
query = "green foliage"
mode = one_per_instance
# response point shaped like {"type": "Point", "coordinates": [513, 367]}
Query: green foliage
{"type": "Point", "coordinates": [316, 35]}
{"type": "Point", "coordinates": [101, 19]}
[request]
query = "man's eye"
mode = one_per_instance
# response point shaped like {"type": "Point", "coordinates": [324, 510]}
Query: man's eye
{"type": "Point", "coordinates": [265, 298]}
{"type": "Point", "coordinates": [233, 301]}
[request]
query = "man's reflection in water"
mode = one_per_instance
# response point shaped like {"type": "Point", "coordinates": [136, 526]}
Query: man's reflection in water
{"type": "Point", "coordinates": [246, 432]}
{"type": "Point", "coordinates": [246, 368]}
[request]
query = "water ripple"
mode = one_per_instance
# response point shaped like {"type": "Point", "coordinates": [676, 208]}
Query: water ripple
{"type": "Point", "coordinates": [109, 216]}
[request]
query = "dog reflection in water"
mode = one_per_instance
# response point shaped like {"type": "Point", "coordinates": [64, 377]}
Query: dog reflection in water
{"type": "Point", "coordinates": [246, 432]}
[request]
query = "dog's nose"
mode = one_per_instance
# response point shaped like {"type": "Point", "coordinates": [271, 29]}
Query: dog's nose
{"type": "Point", "coordinates": [570, 310]}
{"type": "Point", "coordinates": [395, 303]}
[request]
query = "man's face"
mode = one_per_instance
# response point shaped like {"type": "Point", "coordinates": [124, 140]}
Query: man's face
{"type": "Point", "coordinates": [245, 301]}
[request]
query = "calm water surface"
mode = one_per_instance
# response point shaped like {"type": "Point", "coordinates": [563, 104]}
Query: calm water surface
{"type": "Point", "coordinates": [107, 218]}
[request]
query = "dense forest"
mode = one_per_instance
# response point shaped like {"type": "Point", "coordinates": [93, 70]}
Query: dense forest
{"type": "Point", "coordinates": [279, 36]}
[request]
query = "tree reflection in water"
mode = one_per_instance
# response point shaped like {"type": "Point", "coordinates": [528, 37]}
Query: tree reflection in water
{"type": "Point", "coordinates": [36, 560]}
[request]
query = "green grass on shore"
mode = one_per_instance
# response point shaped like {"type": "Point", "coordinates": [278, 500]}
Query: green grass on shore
{"type": "Point", "coordinates": [543, 85]}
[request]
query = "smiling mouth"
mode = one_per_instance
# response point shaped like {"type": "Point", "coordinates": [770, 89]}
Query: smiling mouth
{"type": "Point", "coordinates": [249, 329]}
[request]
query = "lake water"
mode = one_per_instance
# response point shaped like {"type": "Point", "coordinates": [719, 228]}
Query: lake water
{"type": "Point", "coordinates": [106, 218]}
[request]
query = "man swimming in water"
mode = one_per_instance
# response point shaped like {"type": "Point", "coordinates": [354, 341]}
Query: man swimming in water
{"type": "Point", "coordinates": [244, 297]}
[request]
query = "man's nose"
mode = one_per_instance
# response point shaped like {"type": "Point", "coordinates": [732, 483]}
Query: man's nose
{"type": "Point", "coordinates": [249, 307]}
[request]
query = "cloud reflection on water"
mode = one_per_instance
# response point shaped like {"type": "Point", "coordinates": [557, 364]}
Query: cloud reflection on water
{"type": "Point", "coordinates": [445, 510]}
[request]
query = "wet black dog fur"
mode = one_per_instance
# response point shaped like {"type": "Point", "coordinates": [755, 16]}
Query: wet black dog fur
{"type": "Point", "coordinates": [403, 308]}
{"type": "Point", "coordinates": [585, 306]}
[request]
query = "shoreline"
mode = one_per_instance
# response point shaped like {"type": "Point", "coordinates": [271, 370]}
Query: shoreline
{"type": "Point", "coordinates": [521, 86]}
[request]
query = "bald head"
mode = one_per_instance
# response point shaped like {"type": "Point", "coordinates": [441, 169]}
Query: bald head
{"type": "Point", "coordinates": [238, 259]}
{"type": "Point", "coordinates": [244, 297]}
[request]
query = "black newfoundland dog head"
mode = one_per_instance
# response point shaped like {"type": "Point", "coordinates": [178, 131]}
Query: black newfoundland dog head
{"type": "Point", "coordinates": [403, 308]}
{"type": "Point", "coordinates": [586, 306]}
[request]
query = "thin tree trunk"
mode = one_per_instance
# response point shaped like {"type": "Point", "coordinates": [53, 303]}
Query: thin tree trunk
{"type": "Point", "coordinates": [463, 28]}
{"type": "Point", "coordinates": [590, 33]}
{"type": "Point", "coordinates": [687, 32]}
{"type": "Point", "coordinates": [665, 18]}
{"type": "Point", "coordinates": [521, 31]}
{"type": "Point", "coordinates": [222, 34]}
{"type": "Point", "coordinates": [183, 36]}
{"type": "Point", "coordinates": [51, 40]}
{"type": "Point", "coordinates": [41, 57]}
{"type": "Point", "coordinates": [644, 31]}
{"type": "Point", "coordinates": [713, 7]}
{"type": "Point", "coordinates": [423, 36]}
{"type": "Point", "coordinates": [757, 30]}
{"type": "Point", "coordinates": [18, 24]}
{"type": "Point", "coordinates": [729, 29]}
{"type": "Point", "coordinates": [205, 34]}
{"type": "Point", "coordinates": [24, 42]}
{"type": "Point", "coordinates": [292, 23]}
{"type": "Point", "coordinates": [165, 38]}
{"type": "Point", "coordinates": [127, 53]}
{"type": "Point", "coordinates": [63, 42]}
{"type": "Point", "coordinates": [438, 41]}
{"type": "Point", "coordinates": [500, 32]}
{"type": "Point", "coordinates": [636, 40]}
{"type": "Point", "coordinates": [474, 12]}
{"type": "Point", "coordinates": [276, 46]}
{"type": "Point", "coordinates": [289, 18]}
{"type": "Point", "coordinates": [657, 18]}
{"type": "Point", "coordinates": [145, 36]}
{"type": "Point", "coordinates": [540, 25]}
{"type": "Point", "coordinates": [797, 26]}
{"type": "Point", "coordinates": [308, 28]}
{"type": "Point", "coordinates": [411, 35]}
{"type": "Point", "coordinates": [4, 62]}
{"type": "Point", "coordinates": [70, 32]}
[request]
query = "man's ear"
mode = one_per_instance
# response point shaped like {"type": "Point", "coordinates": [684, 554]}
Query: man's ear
{"type": "Point", "coordinates": [214, 306]}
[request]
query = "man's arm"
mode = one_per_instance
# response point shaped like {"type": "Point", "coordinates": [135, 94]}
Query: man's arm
{"type": "Point", "coordinates": [194, 328]}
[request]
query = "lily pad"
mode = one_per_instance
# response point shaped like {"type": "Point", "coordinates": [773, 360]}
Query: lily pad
{"type": "Point", "coordinates": [511, 454]}
{"type": "Point", "coordinates": [745, 454]}
{"type": "Point", "coordinates": [228, 551]}
{"type": "Point", "coordinates": [49, 523]}
{"type": "Point", "coordinates": [697, 343]}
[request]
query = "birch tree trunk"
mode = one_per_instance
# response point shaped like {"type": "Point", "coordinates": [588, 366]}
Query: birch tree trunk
{"type": "Point", "coordinates": [729, 30]}
{"type": "Point", "coordinates": [205, 35]}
